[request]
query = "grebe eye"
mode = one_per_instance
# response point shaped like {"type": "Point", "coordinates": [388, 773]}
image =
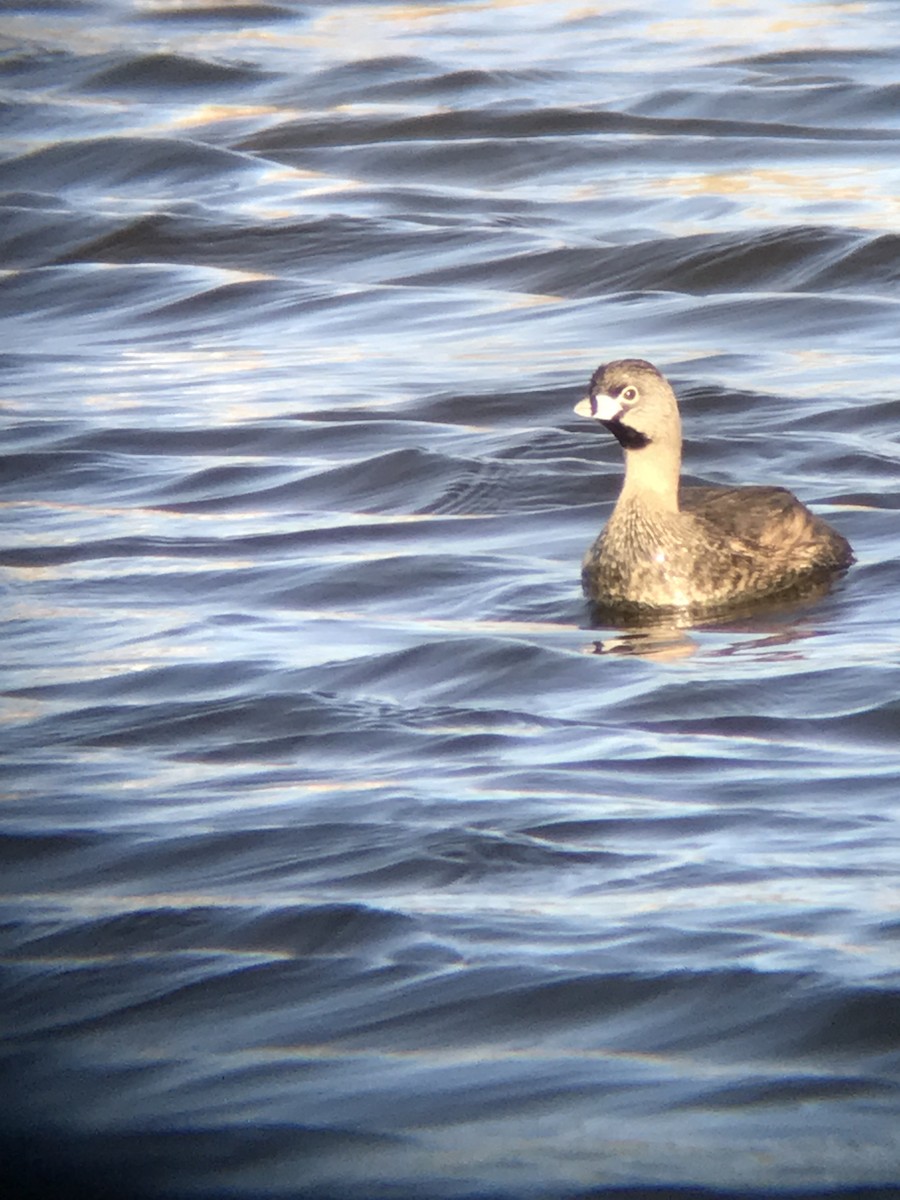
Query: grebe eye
{"type": "Point", "coordinates": [629, 394]}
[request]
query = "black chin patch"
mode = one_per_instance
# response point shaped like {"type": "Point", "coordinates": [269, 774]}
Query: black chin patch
{"type": "Point", "coordinates": [628, 438]}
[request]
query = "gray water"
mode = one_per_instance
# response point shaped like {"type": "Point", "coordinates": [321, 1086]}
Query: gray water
{"type": "Point", "coordinates": [341, 855]}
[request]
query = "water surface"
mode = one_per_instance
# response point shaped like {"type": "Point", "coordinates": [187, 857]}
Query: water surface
{"type": "Point", "coordinates": [342, 856]}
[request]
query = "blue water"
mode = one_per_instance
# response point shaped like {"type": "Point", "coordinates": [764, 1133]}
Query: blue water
{"type": "Point", "coordinates": [341, 855]}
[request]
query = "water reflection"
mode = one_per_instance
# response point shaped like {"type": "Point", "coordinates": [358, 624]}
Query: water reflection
{"type": "Point", "coordinates": [665, 637]}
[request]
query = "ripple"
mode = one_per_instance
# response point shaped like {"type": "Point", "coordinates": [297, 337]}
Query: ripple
{"type": "Point", "coordinates": [338, 844]}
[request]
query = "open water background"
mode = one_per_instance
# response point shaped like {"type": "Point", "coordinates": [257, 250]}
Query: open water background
{"type": "Point", "coordinates": [340, 856]}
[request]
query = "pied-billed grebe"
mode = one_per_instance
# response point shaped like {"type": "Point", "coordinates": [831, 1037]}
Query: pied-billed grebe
{"type": "Point", "coordinates": [703, 548]}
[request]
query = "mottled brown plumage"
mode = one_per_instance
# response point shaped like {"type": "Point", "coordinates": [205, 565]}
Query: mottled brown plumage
{"type": "Point", "coordinates": [697, 548]}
